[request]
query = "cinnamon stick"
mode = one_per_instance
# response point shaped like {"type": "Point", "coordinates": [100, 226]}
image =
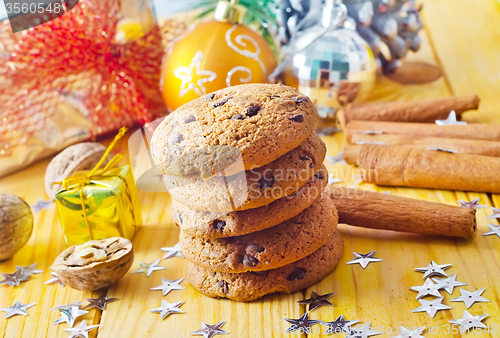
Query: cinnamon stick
{"type": "Point", "coordinates": [409, 167]}
{"type": "Point", "coordinates": [472, 131]}
{"type": "Point", "coordinates": [388, 212]}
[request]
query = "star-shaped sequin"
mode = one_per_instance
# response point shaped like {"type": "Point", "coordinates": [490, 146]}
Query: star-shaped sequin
{"type": "Point", "coordinates": [208, 331]}
{"type": "Point", "coordinates": [448, 284]}
{"type": "Point", "coordinates": [470, 297]}
{"type": "Point", "coordinates": [17, 309]}
{"type": "Point", "coordinates": [494, 230]}
{"type": "Point", "coordinates": [363, 332]}
{"type": "Point", "coordinates": [339, 158]}
{"type": "Point", "coordinates": [168, 285]}
{"type": "Point", "coordinates": [407, 333]}
{"type": "Point", "coordinates": [495, 214]}
{"type": "Point", "coordinates": [469, 321]}
{"type": "Point", "coordinates": [100, 302]}
{"type": "Point", "coordinates": [55, 279]}
{"type": "Point", "coordinates": [66, 306]}
{"type": "Point", "coordinates": [474, 204]}
{"type": "Point", "coordinates": [316, 300]}
{"type": "Point", "coordinates": [431, 307]}
{"type": "Point", "coordinates": [30, 269]}
{"type": "Point", "coordinates": [14, 279]}
{"type": "Point", "coordinates": [364, 259]}
{"type": "Point", "coordinates": [174, 251]}
{"type": "Point", "coordinates": [303, 324]}
{"type": "Point", "coordinates": [451, 120]}
{"type": "Point", "coordinates": [333, 180]}
{"type": "Point", "coordinates": [82, 330]}
{"type": "Point", "coordinates": [451, 151]}
{"type": "Point", "coordinates": [428, 289]}
{"type": "Point", "coordinates": [69, 315]}
{"type": "Point", "coordinates": [148, 269]}
{"type": "Point", "coordinates": [41, 205]}
{"type": "Point", "coordinates": [166, 308]}
{"type": "Point", "coordinates": [434, 269]}
{"type": "Point", "coordinates": [193, 77]}
{"type": "Point", "coordinates": [340, 325]}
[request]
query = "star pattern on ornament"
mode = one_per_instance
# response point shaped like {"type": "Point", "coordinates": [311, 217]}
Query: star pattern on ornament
{"type": "Point", "coordinates": [99, 302]}
{"type": "Point", "coordinates": [496, 213]}
{"type": "Point", "coordinates": [448, 284]}
{"type": "Point", "coordinates": [208, 331]}
{"type": "Point", "coordinates": [67, 306]}
{"type": "Point", "coordinates": [407, 333]}
{"type": "Point", "coordinates": [365, 259]}
{"type": "Point", "coordinates": [431, 307]}
{"type": "Point", "coordinates": [434, 269]}
{"type": "Point", "coordinates": [451, 120]}
{"type": "Point", "coordinates": [41, 205]}
{"type": "Point", "coordinates": [339, 158]}
{"type": "Point", "coordinates": [148, 269]}
{"type": "Point", "coordinates": [469, 321]}
{"type": "Point", "coordinates": [17, 309]}
{"type": "Point", "coordinates": [474, 204]}
{"type": "Point", "coordinates": [443, 150]}
{"type": "Point", "coordinates": [193, 77]}
{"type": "Point", "coordinates": [333, 180]}
{"type": "Point", "coordinates": [69, 315]}
{"type": "Point", "coordinates": [167, 285]}
{"type": "Point", "coordinates": [303, 324]}
{"type": "Point", "coordinates": [339, 325]}
{"type": "Point", "coordinates": [363, 332]}
{"type": "Point", "coordinates": [470, 297]}
{"type": "Point", "coordinates": [317, 300]}
{"type": "Point", "coordinates": [174, 251]}
{"type": "Point", "coordinates": [82, 330]}
{"type": "Point", "coordinates": [428, 289]}
{"type": "Point", "coordinates": [167, 308]}
{"type": "Point", "coordinates": [55, 279]}
{"type": "Point", "coordinates": [494, 230]}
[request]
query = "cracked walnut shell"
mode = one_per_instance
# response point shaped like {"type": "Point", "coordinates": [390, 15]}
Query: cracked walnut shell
{"type": "Point", "coordinates": [96, 264]}
{"type": "Point", "coordinates": [16, 224]}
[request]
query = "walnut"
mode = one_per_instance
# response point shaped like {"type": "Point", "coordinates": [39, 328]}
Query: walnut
{"type": "Point", "coordinates": [16, 224]}
{"type": "Point", "coordinates": [96, 264]}
{"type": "Point", "coordinates": [81, 156]}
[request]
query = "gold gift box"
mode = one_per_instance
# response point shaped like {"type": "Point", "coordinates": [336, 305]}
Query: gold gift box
{"type": "Point", "coordinates": [112, 206]}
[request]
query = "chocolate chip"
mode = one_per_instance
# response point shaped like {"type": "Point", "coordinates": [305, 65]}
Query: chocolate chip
{"type": "Point", "coordinates": [299, 99]}
{"type": "Point", "coordinates": [221, 102]}
{"type": "Point", "coordinates": [304, 158]}
{"type": "Point", "coordinates": [250, 260]}
{"type": "Point", "coordinates": [224, 286]}
{"type": "Point", "coordinates": [297, 274]}
{"type": "Point", "coordinates": [218, 224]}
{"type": "Point", "coordinates": [253, 110]}
{"type": "Point", "coordinates": [189, 119]}
{"type": "Point", "coordinates": [237, 117]}
{"type": "Point", "coordinates": [179, 216]}
{"type": "Point", "coordinates": [297, 118]}
{"type": "Point", "coordinates": [176, 138]}
{"type": "Point", "coordinates": [311, 165]}
{"type": "Point", "coordinates": [255, 248]}
{"type": "Point", "coordinates": [319, 175]}
{"type": "Point", "coordinates": [210, 96]}
{"type": "Point", "coordinates": [266, 182]}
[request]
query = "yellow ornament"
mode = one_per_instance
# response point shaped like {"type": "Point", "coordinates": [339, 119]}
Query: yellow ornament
{"type": "Point", "coordinates": [215, 55]}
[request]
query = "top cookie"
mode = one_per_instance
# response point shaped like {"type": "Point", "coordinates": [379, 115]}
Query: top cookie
{"type": "Point", "coordinates": [251, 125]}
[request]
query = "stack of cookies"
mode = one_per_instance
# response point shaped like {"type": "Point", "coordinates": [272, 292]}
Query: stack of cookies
{"type": "Point", "coordinates": [244, 169]}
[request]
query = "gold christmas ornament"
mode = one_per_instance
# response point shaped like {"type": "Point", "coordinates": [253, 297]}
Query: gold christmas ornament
{"type": "Point", "coordinates": [213, 55]}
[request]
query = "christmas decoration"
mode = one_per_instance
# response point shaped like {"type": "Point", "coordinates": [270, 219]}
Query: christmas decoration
{"type": "Point", "coordinates": [448, 284]}
{"type": "Point", "coordinates": [495, 230]}
{"type": "Point", "coordinates": [42, 205]}
{"type": "Point", "coordinates": [148, 269]}
{"type": "Point", "coordinates": [339, 325]}
{"type": "Point", "coordinates": [55, 279]}
{"type": "Point", "coordinates": [69, 315]}
{"type": "Point", "coordinates": [167, 308]}
{"type": "Point", "coordinates": [168, 285]}
{"type": "Point", "coordinates": [82, 330]}
{"type": "Point", "coordinates": [174, 251]}
{"type": "Point", "coordinates": [213, 55]}
{"type": "Point", "coordinates": [316, 300]}
{"type": "Point", "coordinates": [496, 213]}
{"type": "Point", "coordinates": [451, 151]}
{"type": "Point", "coordinates": [474, 204]}
{"type": "Point", "coordinates": [451, 120]}
{"type": "Point", "coordinates": [17, 309]}
{"type": "Point", "coordinates": [365, 259]}
{"type": "Point", "coordinates": [100, 302]}
{"type": "Point", "coordinates": [434, 269]}
{"type": "Point", "coordinates": [431, 307]}
{"type": "Point", "coordinates": [208, 331]}
{"type": "Point", "coordinates": [29, 270]}
{"type": "Point", "coordinates": [470, 297]}
{"type": "Point", "coordinates": [339, 158]}
{"type": "Point", "coordinates": [469, 321]}
{"type": "Point", "coordinates": [22, 274]}
{"type": "Point", "coordinates": [428, 289]}
{"type": "Point", "coordinates": [303, 324]}
{"type": "Point", "coordinates": [66, 306]}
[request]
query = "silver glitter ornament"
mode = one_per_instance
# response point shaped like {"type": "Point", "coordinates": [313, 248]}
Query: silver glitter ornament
{"type": "Point", "coordinates": [82, 330]}
{"type": "Point", "coordinates": [55, 279]}
{"type": "Point", "coordinates": [166, 308]}
{"type": "Point", "coordinates": [339, 325]}
{"type": "Point", "coordinates": [448, 284]}
{"type": "Point", "coordinates": [303, 324]}
{"type": "Point", "coordinates": [333, 180]}
{"type": "Point", "coordinates": [434, 269]}
{"type": "Point", "coordinates": [66, 306]}
{"type": "Point", "coordinates": [316, 300]}
{"type": "Point", "coordinates": [30, 269]}
{"type": "Point", "coordinates": [41, 205]}
{"type": "Point", "coordinates": [17, 309]}
{"type": "Point", "coordinates": [339, 158]}
{"type": "Point", "coordinates": [168, 285]}
{"type": "Point", "coordinates": [431, 307]}
{"type": "Point", "coordinates": [469, 321]}
{"type": "Point", "coordinates": [407, 333]}
{"type": "Point", "coordinates": [365, 259]}
{"type": "Point", "coordinates": [474, 204]}
{"type": "Point", "coordinates": [13, 279]}
{"type": "Point", "coordinates": [100, 302]}
{"type": "Point", "coordinates": [174, 251]}
{"type": "Point", "coordinates": [363, 332]}
{"type": "Point", "coordinates": [148, 269]}
{"type": "Point", "coordinates": [208, 331]}
{"type": "Point", "coordinates": [69, 315]}
{"type": "Point", "coordinates": [496, 213]}
{"type": "Point", "coordinates": [428, 289]}
{"type": "Point", "coordinates": [495, 230]}
{"type": "Point", "coordinates": [451, 120]}
{"type": "Point", "coordinates": [470, 297]}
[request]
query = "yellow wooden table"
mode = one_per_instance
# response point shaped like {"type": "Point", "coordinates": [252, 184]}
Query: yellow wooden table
{"type": "Point", "coordinates": [463, 38]}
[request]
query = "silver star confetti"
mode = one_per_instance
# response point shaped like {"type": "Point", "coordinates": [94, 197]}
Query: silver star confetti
{"type": "Point", "coordinates": [495, 230]}
{"type": "Point", "coordinates": [448, 284]}
{"type": "Point", "coordinates": [17, 309]}
{"type": "Point", "coordinates": [316, 300]}
{"type": "Point", "coordinates": [339, 158]}
{"type": "Point", "coordinates": [168, 285]}
{"type": "Point", "coordinates": [69, 315]}
{"type": "Point", "coordinates": [428, 289]}
{"type": "Point", "coordinates": [54, 279]}
{"type": "Point", "coordinates": [303, 324]}
{"type": "Point", "coordinates": [431, 307]}
{"type": "Point", "coordinates": [208, 331]}
{"type": "Point", "coordinates": [14, 279]}
{"type": "Point", "coordinates": [166, 308]}
{"type": "Point", "coordinates": [469, 321]}
{"type": "Point", "coordinates": [407, 333]}
{"type": "Point", "coordinates": [496, 213]}
{"type": "Point", "coordinates": [174, 251]}
{"type": "Point", "coordinates": [443, 150]}
{"type": "Point", "coordinates": [66, 306]}
{"type": "Point", "coordinates": [148, 269]}
{"type": "Point", "coordinates": [474, 204]}
{"type": "Point", "coordinates": [451, 120]}
{"type": "Point", "coordinates": [333, 180]}
{"type": "Point", "coordinates": [340, 325]}
{"type": "Point", "coordinates": [82, 330]}
{"type": "Point", "coordinates": [100, 302]}
{"type": "Point", "coordinates": [30, 269]}
{"type": "Point", "coordinates": [434, 269]}
{"type": "Point", "coordinates": [41, 205]}
{"type": "Point", "coordinates": [470, 297]}
{"type": "Point", "coordinates": [364, 259]}
{"type": "Point", "coordinates": [363, 332]}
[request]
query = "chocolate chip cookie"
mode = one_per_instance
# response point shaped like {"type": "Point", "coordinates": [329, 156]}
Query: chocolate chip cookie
{"type": "Point", "coordinates": [267, 249]}
{"type": "Point", "coordinates": [290, 278]}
